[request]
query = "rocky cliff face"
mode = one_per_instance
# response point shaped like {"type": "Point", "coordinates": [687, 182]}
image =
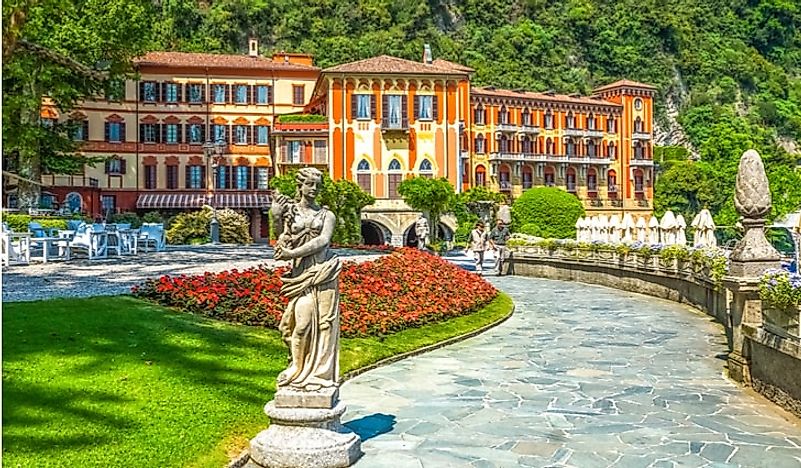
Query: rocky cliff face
{"type": "Point", "coordinates": [667, 130]}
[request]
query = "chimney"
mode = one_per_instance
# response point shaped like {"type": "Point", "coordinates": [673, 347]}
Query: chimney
{"type": "Point", "coordinates": [253, 47]}
{"type": "Point", "coordinates": [427, 57]}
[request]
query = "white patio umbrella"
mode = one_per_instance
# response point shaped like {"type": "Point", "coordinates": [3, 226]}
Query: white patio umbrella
{"type": "Point", "coordinates": [628, 228]}
{"type": "Point", "coordinates": [708, 229]}
{"type": "Point", "coordinates": [603, 228]}
{"type": "Point", "coordinates": [642, 234]}
{"type": "Point", "coordinates": [667, 228]}
{"type": "Point", "coordinates": [681, 233]}
{"type": "Point", "coordinates": [653, 230]}
{"type": "Point", "coordinates": [579, 229]}
{"type": "Point", "coordinates": [585, 234]}
{"type": "Point", "coordinates": [614, 228]}
{"type": "Point", "coordinates": [696, 230]}
{"type": "Point", "coordinates": [592, 228]}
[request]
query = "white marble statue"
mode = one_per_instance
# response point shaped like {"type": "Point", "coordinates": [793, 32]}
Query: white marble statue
{"type": "Point", "coordinates": [310, 324]}
{"type": "Point", "coordinates": [422, 232]}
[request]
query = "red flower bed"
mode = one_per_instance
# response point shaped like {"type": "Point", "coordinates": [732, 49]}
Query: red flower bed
{"type": "Point", "coordinates": [404, 289]}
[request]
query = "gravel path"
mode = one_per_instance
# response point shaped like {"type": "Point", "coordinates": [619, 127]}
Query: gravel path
{"type": "Point", "coordinates": [116, 275]}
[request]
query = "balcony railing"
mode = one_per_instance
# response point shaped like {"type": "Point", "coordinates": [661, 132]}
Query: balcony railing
{"type": "Point", "coordinates": [505, 185]}
{"type": "Point", "coordinates": [573, 132]}
{"type": "Point", "coordinates": [641, 162]}
{"type": "Point", "coordinates": [504, 156]}
{"type": "Point", "coordinates": [66, 180]}
{"type": "Point", "coordinates": [465, 154]}
{"type": "Point", "coordinates": [594, 133]}
{"type": "Point", "coordinates": [531, 129]}
{"type": "Point", "coordinates": [640, 136]}
{"type": "Point", "coordinates": [506, 127]}
{"type": "Point", "coordinates": [386, 125]}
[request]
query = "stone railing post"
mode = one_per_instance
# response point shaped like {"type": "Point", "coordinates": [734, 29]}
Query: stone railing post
{"type": "Point", "coordinates": [752, 255]}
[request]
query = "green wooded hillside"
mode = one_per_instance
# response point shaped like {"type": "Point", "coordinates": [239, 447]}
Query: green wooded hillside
{"type": "Point", "coordinates": [727, 70]}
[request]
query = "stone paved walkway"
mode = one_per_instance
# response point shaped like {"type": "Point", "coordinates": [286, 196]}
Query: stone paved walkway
{"type": "Point", "coordinates": [580, 376]}
{"type": "Point", "coordinates": [116, 275]}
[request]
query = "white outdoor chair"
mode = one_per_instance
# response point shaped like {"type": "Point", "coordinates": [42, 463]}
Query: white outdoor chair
{"type": "Point", "coordinates": [14, 247]}
{"type": "Point", "coordinates": [152, 233]}
{"type": "Point", "coordinates": [94, 243]}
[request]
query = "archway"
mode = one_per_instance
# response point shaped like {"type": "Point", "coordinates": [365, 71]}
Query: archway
{"type": "Point", "coordinates": [410, 236]}
{"type": "Point", "coordinates": [373, 233]}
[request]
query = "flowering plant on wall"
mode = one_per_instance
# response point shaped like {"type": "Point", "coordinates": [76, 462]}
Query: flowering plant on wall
{"type": "Point", "coordinates": [406, 288]}
{"type": "Point", "coordinates": [781, 289]}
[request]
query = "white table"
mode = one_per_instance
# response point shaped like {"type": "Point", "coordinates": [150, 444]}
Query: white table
{"type": "Point", "coordinates": [51, 243]}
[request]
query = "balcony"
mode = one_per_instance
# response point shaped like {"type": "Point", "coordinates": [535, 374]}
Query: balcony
{"type": "Point", "coordinates": [305, 128]}
{"type": "Point", "coordinates": [573, 132]}
{"type": "Point", "coordinates": [641, 162]}
{"type": "Point", "coordinates": [503, 156]}
{"type": "Point", "coordinates": [66, 180]}
{"type": "Point", "coordinates": [529, 129]}
{"type": "Point", "coordinates": [465, 154]}
{"type": "Point", "coordinates": [641, 136]}
{"type": "Point", "coordinates": [506, 128]}
{"type": "Point", "coordinates": [593, 133]}
{"type": "Point", "coordinates": [387, 126]}
{"type": "Point", "coordinates": [590, 160]}
{"type": "Point", "coordinates": [642, 202]}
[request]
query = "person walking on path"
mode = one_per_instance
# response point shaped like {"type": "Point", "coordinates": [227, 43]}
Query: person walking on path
{"type": "Point", "coordinates": [497, 239]}
{"type": "Point", "coordinates": [478, 244]}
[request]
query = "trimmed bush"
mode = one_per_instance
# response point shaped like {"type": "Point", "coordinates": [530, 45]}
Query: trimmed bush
{"type": "Point", "coordinates": [547, 212]}
{"type": "Point", "coordinates": [19, 222]}
{"type": "Point", "coordinates": [193, 227]}
{"type": "Point", "coordinates": [127, 218]}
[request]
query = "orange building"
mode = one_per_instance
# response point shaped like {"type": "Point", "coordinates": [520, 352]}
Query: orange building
{"type": "Point", "coordinates": [154, 132]}
{"type": "Point", "coordinates": [599, 147]}
{"type": "Point", "coordinates": [390, 119]}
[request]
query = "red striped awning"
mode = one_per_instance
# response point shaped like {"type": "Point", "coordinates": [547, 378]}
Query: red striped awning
{"type": "Point", "coordinates": [196, 200]}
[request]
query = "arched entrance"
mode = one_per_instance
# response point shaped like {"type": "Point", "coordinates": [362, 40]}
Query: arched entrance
{"type": "Point", "coordinates": [410, 236]}
{"type": "Point", "coordinates": [373, 233]}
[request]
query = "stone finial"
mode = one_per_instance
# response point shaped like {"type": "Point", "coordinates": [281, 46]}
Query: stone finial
{"type": "Point", "coordinates": [753, 254]}
{"type": "Point", "coordinates": [751, 191]}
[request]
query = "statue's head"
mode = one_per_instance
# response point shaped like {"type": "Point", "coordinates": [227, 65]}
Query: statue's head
{"type": "Point", "coordinates": [309, 182]}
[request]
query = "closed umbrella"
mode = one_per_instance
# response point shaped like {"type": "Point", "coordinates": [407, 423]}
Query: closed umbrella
{"type": "Point", "coordinates": [709, 229]}
{"type": "Point", "coordinates": [681, 230]}
{"type": "Point", "coordinates": [667, 227]}
{"type": "Point", "coordinates": [579, 228]}
{"type": "Point", "coordinates": [614, 228]}
{"type": "Point", "coordinates": [653, 230]}
{"type": "Point", "coordinates": [628, 228]}
{"type": "Point", "coordinates": [697, 232]}
{"type": "Point", "coordinates": [642, 230]}
{"type": "Point", "coordinates": [603, 228]}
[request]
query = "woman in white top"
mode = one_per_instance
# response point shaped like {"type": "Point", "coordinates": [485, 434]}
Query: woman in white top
{"type": "Point", "coordinates": [478, 244]}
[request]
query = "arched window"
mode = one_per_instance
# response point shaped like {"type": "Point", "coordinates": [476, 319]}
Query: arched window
{"type": "Point", "coordinates": [503, 115]}
{"type": "Point", "coordinates": [548, 146]}
{"type": "Point", "coordinates": [611, 183]}
{"type": "Point", "coordinates": [548, 120]}
{"type": "Point", "coordinates": [426, 170]}
{"type": "Point", "coordinates": [481, 176]}
{"type": "Point", "coordinates": [479, 144]}
{"type": "Point", "coordinates": [525, 118]}
{"type": "Point", "coordinates": [394, 178]}
{"type": "Point", "coordinates": [638, 151]}
{"type": "Point", "coordinates": [505, 178]}
{"type": "Point", "coordinates": [570, 180]}
{"type": "Point", "coordinates": [638, 125]}
{"type": "Point", "coordinates": [591, 148]}
{"type": "Point", "coordinates": [638, 181]}
{"type": "Point", "coordinates": [570, 147]}
{"type": "Point", "coordinates": [611, 151]}
{"type": "Point", "coordinates": [528, 177]}
{"type": "Point", "coordinates": [364, 177]}
{"type": "Point", "coordinates": [526, 145]}
{"type": "Point", "coordinates": [74, 202]}
{"type": "Point", "coordinates": [592, 180]}
{"type": "Point", "coordinates": [550, 177]}
{"type": "Point", "coordinates": [591, 122]}
{"type": "Point", "coordinates": [479, 115]}
{"type": "Point", "coordinates": [503, 144]}
{"type": "Point", "coordinates": [570, 120]}
{"type": "Point", "coordinates": [611, 125]}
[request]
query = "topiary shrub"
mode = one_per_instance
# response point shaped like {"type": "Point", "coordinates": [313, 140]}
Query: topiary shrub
{"type": "Point", "coordinates": [193, 227]}
{"type": "Point", "coordinates": [547, 212]}
{"type": "Point", "coordinates": [153, 217]}
{"type": "Point", "coordinates": [127, 218]}
{"type": "Point", "coordinates": [19, 222]}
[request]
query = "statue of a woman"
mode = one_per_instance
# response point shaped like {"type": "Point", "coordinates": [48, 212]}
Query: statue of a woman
{"type": "Point", "coordinates": [310, 324]}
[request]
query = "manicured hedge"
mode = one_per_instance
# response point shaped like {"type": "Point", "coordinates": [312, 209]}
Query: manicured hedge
{"type": "Point", "coordinates": [547, 212]}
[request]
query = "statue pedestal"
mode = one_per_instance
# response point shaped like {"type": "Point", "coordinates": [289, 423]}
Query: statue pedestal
{"type": "Point", "coordinates": [305, 430]}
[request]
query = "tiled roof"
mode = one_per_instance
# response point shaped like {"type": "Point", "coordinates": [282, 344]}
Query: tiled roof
{"type": "Point", "coordinates": [186, 59]}
{"type": "Point", "coordinates": [385, 64]}
{"type": "Point", "coordinates": [541, 96]}
{"type": "Point", "coordinates": [625, 83]}
{"type": "Point", "coordinates": [452, 65]}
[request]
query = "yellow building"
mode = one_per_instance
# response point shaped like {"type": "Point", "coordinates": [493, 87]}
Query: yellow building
{"type": "Point", "coordinates": [598, 147]}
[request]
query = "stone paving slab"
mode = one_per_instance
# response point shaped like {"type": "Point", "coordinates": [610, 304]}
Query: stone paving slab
{"type": "Point", "coordinates": [580, 376]}
{"type": "Point", "coordinates": [115, 275]}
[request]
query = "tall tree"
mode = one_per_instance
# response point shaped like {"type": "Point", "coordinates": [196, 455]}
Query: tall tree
{"type": "Point", "coordinates": [431, 196]}
{"type": "Point", "coordinates": [64, 51]}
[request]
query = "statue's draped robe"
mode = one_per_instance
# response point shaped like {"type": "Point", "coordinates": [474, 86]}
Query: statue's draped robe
{"type": "Point", "coordinates": [316, 277]}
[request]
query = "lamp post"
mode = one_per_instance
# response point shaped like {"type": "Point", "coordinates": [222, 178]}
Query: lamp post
{"type": "Point", "coordinates": [212, 152]}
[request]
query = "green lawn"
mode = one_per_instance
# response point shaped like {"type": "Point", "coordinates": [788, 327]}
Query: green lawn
{"type": "Point", "coordinates": [116, 381]}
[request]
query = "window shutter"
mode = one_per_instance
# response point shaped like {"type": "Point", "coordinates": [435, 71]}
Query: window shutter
{"type": "Point", "coordinates": [435, 105]}
{"type": "Point", "coordinates": [252, 94]}
{"type": "Point", "coordinates": [180, 134]}
{"type": "Point", "coordinates": [187, 133]}
{"type": "Point", "coordinates": [249, 177]}
{"type": "Point", "coordinates": [106, 132]}
{"type": "Point", "coordinates": [108, 166]}
{"type": "Point", "coordinates": [228, 94]}
{"type": "Point", "coordinates": [160, 91]}
{"type": "Point", "coordinates": [188, 177]}
{"type": "Point", "coordinates": [385, 108]}
{"type": "Point", "coordinates": [203, 136]}
{"type": "Point", "coordinates": [202, 176]}
{"type": "Point", "coordinates": [141, 133]}
{"type": "Point", "coordinates": [122, 131]}
{"type": "Point", "coordinates": [122, 166]}
{"type": "Point", "coordinates": [181, 92]}
{"type": "Point", "coordinates": [416, 114]}
{"type": "Point", "coordinates": [203, 93]}
{"type": "Point", "coordinates": [254, 133]}
{"type": "Point", "coordinates": [269, 95]}
{"type": "Point", "coordinates": [161, 133]}
{"type": "Point", "coordinates": [249, 130]}
{"type": "Point", "coordinates": [141, 91]}
{"type": "Point", "coordinates": [372, 106]}
{"type": "Point", "coordinates": [405, 112]}
{"type": "Point", "coordinates": [229, 176]}
{"type": "Point", "coordinates": [353, 103]}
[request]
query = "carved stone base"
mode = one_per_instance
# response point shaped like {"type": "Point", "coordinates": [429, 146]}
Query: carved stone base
{"type": "Point", "coordinates": [739, 369]}
{"type": "Point", "coordinates": [305, 436]}
{"type": "Point", "coordinates": [751, 269]}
